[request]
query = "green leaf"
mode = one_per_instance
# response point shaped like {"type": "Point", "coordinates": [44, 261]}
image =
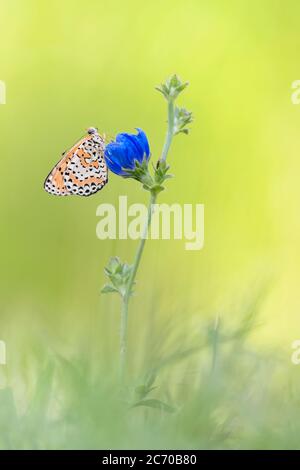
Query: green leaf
{"type": "Point", "coordinates": [182, 118]}
{"type": "Point", "coordinates": [119, 274]}
{"type": "Point", "coordinates": [142, 391]}
{"type": "Point", "coordinates": [154, 403]}
{"type": "Point", "coordinates": [140, 172]}
{"type": "Point", "coordinates": [107, 289]}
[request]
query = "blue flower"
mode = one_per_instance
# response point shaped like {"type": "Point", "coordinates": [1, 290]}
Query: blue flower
{"type": "Point", "coordinates": [122, 153]}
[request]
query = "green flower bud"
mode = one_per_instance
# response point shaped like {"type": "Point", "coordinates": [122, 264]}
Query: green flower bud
{"type": "Point", "coordinates": [172, 87]}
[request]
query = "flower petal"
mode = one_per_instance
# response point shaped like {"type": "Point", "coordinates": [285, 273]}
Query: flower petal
{"type": "Point", "coordinates": [111, 156]}
{"type": "Point", "coordinates": [129, 150]}
{"type": "Point", "coordinates": [143, 141]}
{"type": "Point", "coordinates": [126, 150]}
{"type": "Point", "coordinates": [134, 147]}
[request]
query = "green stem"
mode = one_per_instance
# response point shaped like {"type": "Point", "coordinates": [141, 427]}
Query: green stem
{"type": "Point", "coordinates": [170, 134]}
{"type": "Point", "coordinates": [126, 297]}
{"type": "Point", "coordinates": [123, 337]}
{"type": "Point", "coordinates": [138, 256]}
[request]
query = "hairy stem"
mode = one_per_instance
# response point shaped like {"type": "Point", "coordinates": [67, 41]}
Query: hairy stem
{"type": "Point", "coordinates": [170, 134]}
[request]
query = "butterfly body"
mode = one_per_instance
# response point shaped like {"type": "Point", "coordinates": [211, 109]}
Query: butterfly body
{"type": "Point", "coordinates": [82, 169]}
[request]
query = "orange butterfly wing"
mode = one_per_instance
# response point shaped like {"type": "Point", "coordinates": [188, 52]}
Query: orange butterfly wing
{"type": "Point", "coordinates": [82, 170]}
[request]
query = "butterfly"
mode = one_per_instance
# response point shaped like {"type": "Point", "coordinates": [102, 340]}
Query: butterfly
{"type": "Point", "coordinates": [82, 170]}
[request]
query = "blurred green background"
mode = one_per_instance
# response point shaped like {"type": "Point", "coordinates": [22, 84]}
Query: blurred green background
{"type": "Point", "coordinates": [70, 65]}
